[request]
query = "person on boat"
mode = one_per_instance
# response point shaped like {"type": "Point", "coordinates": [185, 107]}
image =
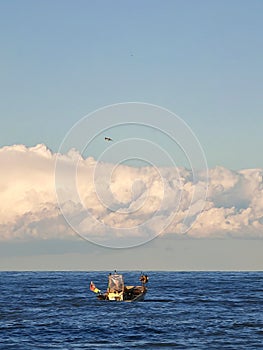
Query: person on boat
{"type": "Point", "coordinates": [144, 279]}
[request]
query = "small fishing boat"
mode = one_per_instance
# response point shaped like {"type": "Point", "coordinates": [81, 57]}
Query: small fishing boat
{"type": "Point", "coordinates": [118, 291]}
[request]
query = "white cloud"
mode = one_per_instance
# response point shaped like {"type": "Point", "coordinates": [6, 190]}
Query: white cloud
{"type": "Point", "coordinates": [137, 201]}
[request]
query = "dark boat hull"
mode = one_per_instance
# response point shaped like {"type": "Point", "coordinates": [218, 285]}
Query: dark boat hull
{"type": "Point", "coordinates": [130, 294]}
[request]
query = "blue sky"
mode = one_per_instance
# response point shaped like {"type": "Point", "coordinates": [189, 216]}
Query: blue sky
{"type": "Point", "coordinates": [61, 60]}
{"type": "Point", "coordinates": [201, 59]}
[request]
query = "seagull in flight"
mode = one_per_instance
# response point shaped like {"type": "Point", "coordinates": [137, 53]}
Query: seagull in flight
{"type": "Point", "coordinates": [108, 139]}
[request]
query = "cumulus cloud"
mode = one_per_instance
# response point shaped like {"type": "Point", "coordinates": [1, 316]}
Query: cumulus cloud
{"type": "Point", "coordinates": [101, 200]}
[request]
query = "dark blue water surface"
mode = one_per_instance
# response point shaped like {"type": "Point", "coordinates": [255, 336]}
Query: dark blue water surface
{"type": "Point", "coordinates": [182, 310]}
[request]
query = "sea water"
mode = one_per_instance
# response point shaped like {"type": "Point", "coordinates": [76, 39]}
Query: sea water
{"type": "Point", "coordinates": [182, 310]}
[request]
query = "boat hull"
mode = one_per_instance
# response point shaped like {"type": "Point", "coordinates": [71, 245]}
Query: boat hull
{"type": "Point", "coordinates": [130, 294]}
{"type": "Point", "coordinates": [139, 297]}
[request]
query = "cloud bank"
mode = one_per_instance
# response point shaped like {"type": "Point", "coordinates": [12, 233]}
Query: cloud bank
{"type": "Point", "coordinates": [109, 200]}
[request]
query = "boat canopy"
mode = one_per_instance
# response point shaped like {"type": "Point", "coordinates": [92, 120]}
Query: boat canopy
{"type": "Point", "coordinates": [116, 283]}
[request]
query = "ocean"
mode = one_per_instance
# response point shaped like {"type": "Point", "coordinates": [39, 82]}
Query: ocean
{"type": "Point", "coordinates": [182, 310]}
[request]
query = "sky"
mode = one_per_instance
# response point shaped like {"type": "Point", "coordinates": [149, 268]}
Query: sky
{"type": "Point", "coordinates": [193, 70]}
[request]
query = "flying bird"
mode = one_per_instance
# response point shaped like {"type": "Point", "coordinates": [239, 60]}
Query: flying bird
{"type": "Point", "coordinates": [108, 139]}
